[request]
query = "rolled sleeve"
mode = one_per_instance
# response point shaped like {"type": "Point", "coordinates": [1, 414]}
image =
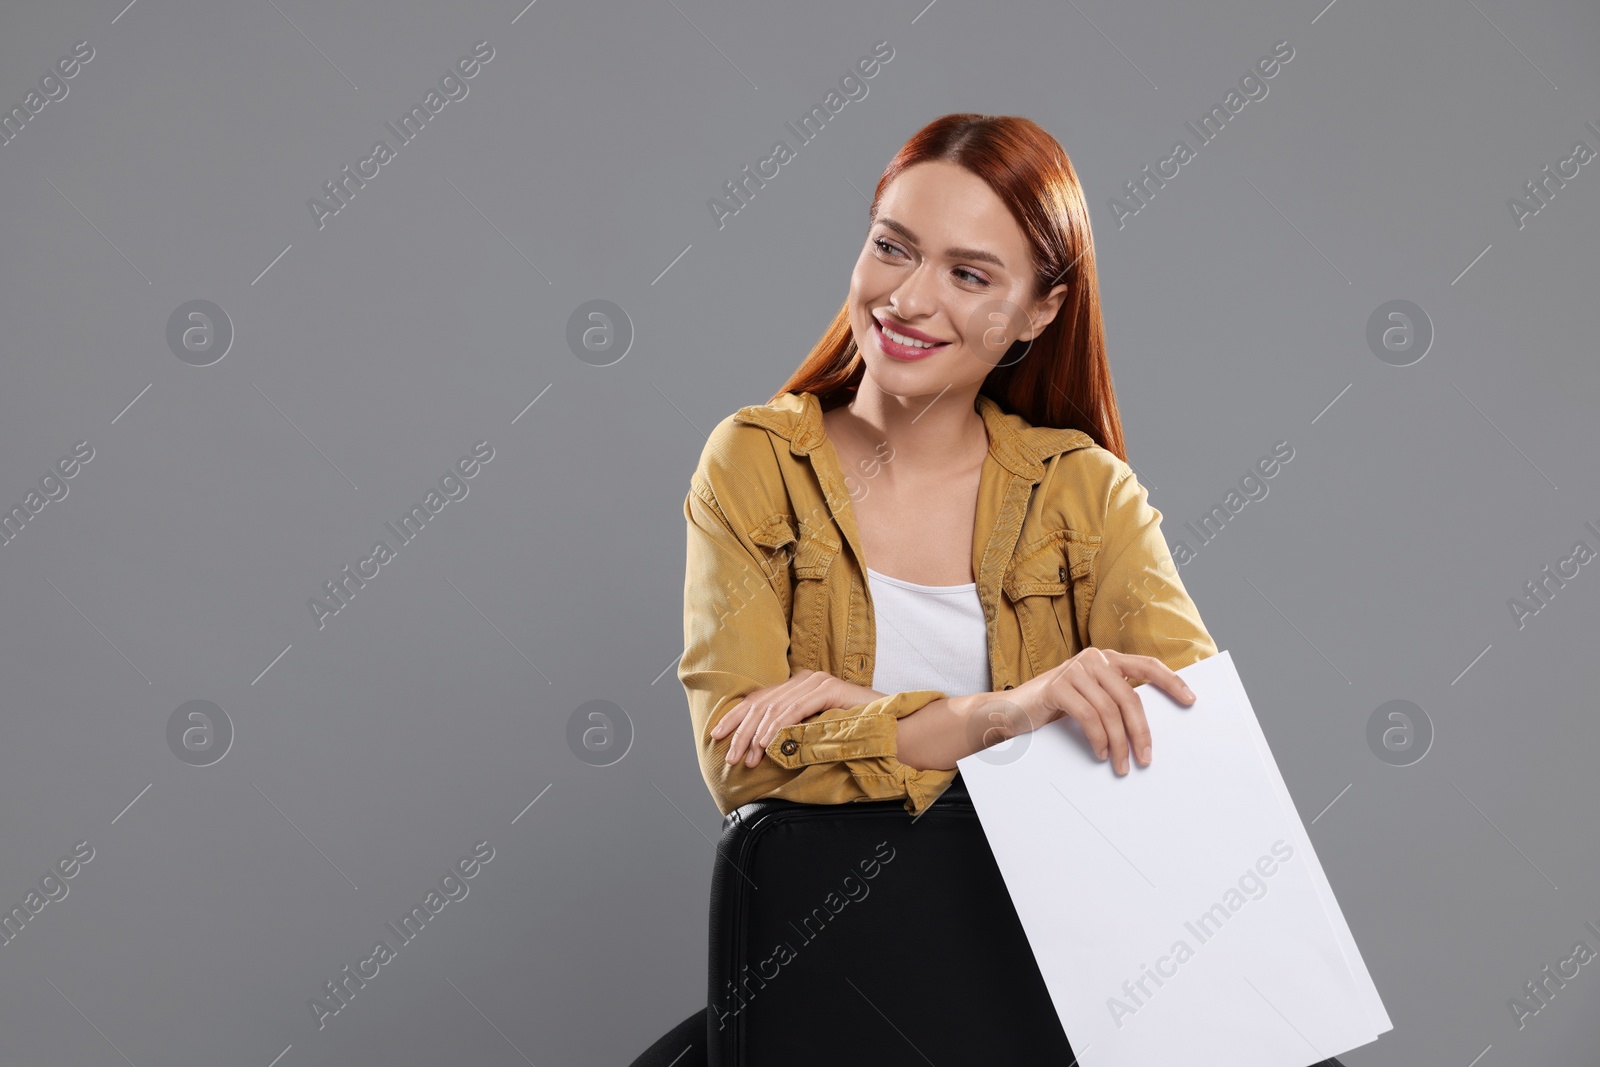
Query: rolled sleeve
{"type": "Point", "coordinates": [865, 740]}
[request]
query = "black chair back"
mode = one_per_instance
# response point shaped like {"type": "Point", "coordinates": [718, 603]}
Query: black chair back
{"type": "Point", "coordinates": [854, 933]}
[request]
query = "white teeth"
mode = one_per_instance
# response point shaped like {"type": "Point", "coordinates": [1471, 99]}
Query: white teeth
{"type": "Point", "coordinates": [910, 342]}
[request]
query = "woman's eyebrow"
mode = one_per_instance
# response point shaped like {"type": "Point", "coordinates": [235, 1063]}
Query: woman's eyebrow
{"type": "Point", "coordinates": [952, 253]}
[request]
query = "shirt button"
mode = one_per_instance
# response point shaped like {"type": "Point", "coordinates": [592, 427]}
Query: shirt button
{"type": "Point", "coordinates": [1008, 685]}
{"type": "Point", "coordinates": [1062, 571]}
{"type": "Point", "coordinates": [789, 747]}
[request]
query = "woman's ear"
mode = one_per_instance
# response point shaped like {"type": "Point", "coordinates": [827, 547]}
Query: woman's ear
{"type": "Point", "coordinates": [1045, 312]}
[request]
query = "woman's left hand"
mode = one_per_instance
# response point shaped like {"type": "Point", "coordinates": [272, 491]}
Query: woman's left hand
{"type": "Point", "coordinates": [756, 719]}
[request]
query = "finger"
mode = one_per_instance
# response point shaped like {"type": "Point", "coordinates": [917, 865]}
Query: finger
{"type": "Point", "coordinates": [1086, 684]}
{"type": "Point", "coordinates": [787, 712]}
{"type": "Point", "coordinates": [778, 714]}
{"type": "Point", "coordinates": [1149, 669]}
{"type": "Point", "coordinates": [741, 736]}
{"type": "Point", "coordinates": [812, 696]}
{"type": "Point", "coordinates": [776, 717]}
{"type": "Point", "coordinates": [1134, 721]}
{"type": "Point", "coordinates": [738, 715]}
{"type": "Point", "coordinates": [1091, 683]}
{"type": "Point", "coordinates": [733, 718]}
{"type": "Point", "coordinates": [1064, 695]}
{"type": "Point", "coordinates": [753, 756]}
{"type": "Point", "coordinates": [807, 697]}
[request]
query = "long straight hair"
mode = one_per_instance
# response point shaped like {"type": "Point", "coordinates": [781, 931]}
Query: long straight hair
{"type": "Point", "coordinates": [1061, 377]}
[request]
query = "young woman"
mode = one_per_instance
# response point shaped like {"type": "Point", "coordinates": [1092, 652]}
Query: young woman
{"type": "Point", "coordinates": [930, 539]}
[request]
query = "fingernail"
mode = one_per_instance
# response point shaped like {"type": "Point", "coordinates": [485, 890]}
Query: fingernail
{"type": "Point", "coordinates": [1144, 754]}
{"type": "Point", "coordinates": [1100, 754]}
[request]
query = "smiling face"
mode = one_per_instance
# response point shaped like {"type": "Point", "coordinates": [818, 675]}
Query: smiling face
{"type": "Point", "coordinates": [944, 265]}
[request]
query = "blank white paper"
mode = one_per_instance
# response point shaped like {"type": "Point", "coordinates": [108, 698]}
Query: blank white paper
{"type": "Point", "coordinates": [1178, 914]}
{"type": "Point", "coordinates": [1377, 1015]}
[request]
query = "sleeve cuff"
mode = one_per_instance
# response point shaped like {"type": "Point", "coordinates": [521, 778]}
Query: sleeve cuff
{"type": "Point", "coordinates": [925, 787]}
{"type": "Point", "coordinates": [873, 732]}
{"type": "Point", "coordinates": [832, 740]}
{"type": "Point", "coordinates": [867, 743]}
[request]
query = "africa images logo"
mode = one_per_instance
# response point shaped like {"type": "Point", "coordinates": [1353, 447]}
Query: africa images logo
{"type": "Point", "coordinates": [342, 590]}
{"type": "Point", "coordinates": [342, 988]}
{"type": "Point", "coordinates": [452, 86]}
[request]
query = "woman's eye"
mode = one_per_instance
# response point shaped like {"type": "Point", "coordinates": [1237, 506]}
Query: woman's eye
{"type": "Point", "coordinates": [970, 277]}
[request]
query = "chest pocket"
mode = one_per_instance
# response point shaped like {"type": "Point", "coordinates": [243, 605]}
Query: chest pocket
{"type": "Point", "coordinates": [810, 552]}
{"type": "Point", "coordinates": [1050, 584]}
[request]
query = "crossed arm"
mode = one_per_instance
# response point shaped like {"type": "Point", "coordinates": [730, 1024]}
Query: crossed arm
{"type": "Point", "coordinates": [804, 736]}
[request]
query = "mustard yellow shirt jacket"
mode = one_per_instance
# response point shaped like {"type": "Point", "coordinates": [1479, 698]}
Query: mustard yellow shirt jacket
{"type": "Point", "coordinates": [1066, 549]}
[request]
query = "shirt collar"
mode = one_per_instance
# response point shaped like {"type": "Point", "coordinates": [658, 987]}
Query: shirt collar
{"type": "Point", "coordinates": [1018, 446]}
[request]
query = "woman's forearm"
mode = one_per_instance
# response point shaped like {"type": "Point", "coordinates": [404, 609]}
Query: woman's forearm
{"type": "Point", "coordinates": [938, 734]}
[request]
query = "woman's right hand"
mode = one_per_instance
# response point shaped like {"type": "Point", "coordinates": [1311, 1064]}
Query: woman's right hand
{"type": "Point", "coordinates": [1093, 688]}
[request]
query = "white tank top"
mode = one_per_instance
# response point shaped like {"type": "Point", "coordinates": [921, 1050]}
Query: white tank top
{"type": "Point", "coordinates": [929, 637]}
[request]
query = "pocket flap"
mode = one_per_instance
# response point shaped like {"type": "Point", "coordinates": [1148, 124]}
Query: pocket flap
{"type": "Point", "coordinates": [774, 533]}
{"type": "Point", "coordinates": [1046, 565]}
{"type": "Point", "coordinates": [814, 548]}
{"type": "Point", "coordinates": [1043, 574]}
{"type": "Point", "coordinates": [815, 554]}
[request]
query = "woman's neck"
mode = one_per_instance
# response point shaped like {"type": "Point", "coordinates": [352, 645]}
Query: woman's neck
{"type": "Point", "coordinates": [931, 435]}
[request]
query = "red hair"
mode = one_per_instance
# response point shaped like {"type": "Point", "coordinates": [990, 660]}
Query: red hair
{"type": "Point", "coordinates": [1059, 379]}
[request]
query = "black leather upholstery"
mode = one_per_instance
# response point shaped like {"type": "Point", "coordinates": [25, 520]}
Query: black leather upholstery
{"type": "Point", "coordinates": [926, 955]}
{"type": "Point", "coordinates": [923, 961]}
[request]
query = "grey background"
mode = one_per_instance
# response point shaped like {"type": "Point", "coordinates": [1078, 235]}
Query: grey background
{"type": "Point", "coordinates": [431, 712]}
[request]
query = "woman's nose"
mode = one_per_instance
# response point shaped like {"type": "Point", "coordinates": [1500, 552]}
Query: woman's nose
{"type": "Point", "coordinates": [913, 300]}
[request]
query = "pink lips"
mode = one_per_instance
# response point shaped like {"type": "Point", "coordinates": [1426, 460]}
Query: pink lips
{"type": "Point", "coordinates": [895, 350]}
